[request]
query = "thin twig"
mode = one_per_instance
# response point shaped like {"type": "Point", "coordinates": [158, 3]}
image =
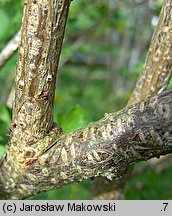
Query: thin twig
{"type": "Point", "coordinates": [9, 49]}
{"type": "Point", "coordinates": [157, 164]}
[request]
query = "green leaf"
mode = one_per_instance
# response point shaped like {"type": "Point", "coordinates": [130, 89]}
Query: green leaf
{"type": "Point", "coordinates": [3, 133]}
{"type": "Point", "coordinates": [5, 20]}
{"type": "Point", "coordinates": [5, 120]}
{"type": "Point", "coordinates": [73, 120]}
{"type": "Point", "coordinates": [5, 115]}
{"type": "Point", "coordinates": [79, 191]}
{"type": "Point", "coordinates": [4, 1]}
{"type": "Point", "coordinates": [2, 150]}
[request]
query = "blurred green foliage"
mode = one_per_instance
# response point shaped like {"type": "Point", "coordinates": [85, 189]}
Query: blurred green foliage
{"type": "Point", "coordinates": [85, 90]}
{"type": "Point", "coordinates": [152, 184]}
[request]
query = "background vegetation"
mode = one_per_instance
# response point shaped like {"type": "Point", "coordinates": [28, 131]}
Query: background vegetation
{"type": "Point", "coordinates": [103, 53]}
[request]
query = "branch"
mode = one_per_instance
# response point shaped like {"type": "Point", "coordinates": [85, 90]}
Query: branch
{"type": "Point", "coordinates": [39, 50]}
{"type": "Point", "coordinates": [104, 148]}
{"type": "Point", "coordinates": [153, 79]}
{"type": "Point", "coordinates": [9, 49]}
{"type": "Point", "coordinates": [157, 69]}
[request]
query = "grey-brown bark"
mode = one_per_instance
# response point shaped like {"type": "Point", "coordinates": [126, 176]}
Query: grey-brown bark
{"type": "Point", "coordinates": [104, 148]}
{"type": "Point", "coordinates": [153, 79]}
{"type": "Point", "coordinates": [39, 156]}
